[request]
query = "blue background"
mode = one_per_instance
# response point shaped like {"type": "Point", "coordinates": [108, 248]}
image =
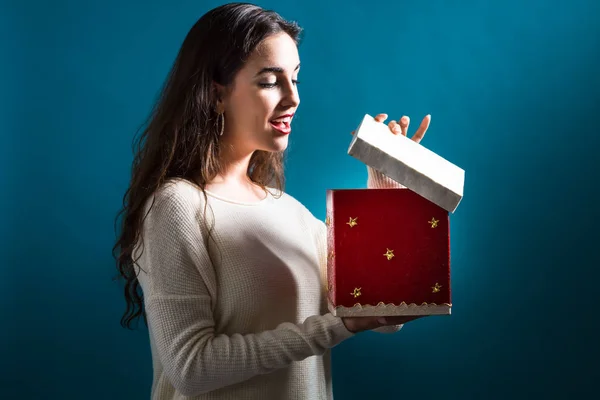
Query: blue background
{"type": "Point", "coordinates": [514, 92]}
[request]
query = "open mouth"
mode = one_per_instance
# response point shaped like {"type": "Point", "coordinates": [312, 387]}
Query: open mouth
{"type": "Point", "coordinates": [282, 124]}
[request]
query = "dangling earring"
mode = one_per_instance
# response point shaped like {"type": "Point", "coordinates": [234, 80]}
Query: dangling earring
{"type": "Point", "coordinates": [221, 117]}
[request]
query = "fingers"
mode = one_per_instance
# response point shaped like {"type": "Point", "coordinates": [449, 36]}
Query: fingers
{"type": "Point", "coordinates": [402, 127]}
{"type": "Point", "coordinates": [395, 127]}
{"type": "Point", "coordinates": [399, 320]}
{"type": "Point", "coordinates": [418, 136]}
{"type": "Point", "coordinates": [360, 324]}
{"type": "Point", "coordinates": [381, 117]}
{"type": "Point", "coordinates": [404, 122]}
{"type": "Point", "coordinates": [378, 118]}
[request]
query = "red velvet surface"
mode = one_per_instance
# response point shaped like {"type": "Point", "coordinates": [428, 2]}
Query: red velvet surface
{"type": "Point", "coordinates": [395, 219]}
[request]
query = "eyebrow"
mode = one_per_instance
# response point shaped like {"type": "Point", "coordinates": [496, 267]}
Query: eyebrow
{"type": "Point", "coordinates": [276, 70]}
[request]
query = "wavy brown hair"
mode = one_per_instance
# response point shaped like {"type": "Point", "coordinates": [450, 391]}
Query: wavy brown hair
{"type": "Point", "coordinates": [180, 139]}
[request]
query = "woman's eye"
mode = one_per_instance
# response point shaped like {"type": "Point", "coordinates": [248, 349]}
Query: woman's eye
{"type": "Point", "coordinates": [272, 85]}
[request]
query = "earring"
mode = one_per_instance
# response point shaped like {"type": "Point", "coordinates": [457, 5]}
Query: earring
{"type": "Point", "coordinates": [221, 117]}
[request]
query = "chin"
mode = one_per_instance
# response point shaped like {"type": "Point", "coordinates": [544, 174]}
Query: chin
{"type": "Point", "coordinates": [278, 144]}
{"type": "Point", "coordinates": [276, 149]}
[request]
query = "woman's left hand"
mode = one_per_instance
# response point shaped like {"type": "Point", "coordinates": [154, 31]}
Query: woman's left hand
{"type": "Point", "coordinates": [401, 128]}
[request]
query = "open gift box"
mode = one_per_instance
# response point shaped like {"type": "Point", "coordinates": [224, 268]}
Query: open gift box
{"type": "Point", "coordinates": [389, 249]}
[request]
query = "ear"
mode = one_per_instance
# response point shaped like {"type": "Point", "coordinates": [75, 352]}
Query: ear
{"type": "Point", "coordinates": [219, 94]}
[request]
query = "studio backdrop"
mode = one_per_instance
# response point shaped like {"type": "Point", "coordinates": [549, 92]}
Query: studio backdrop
{"type": "Point", "coordinates": [513, 88]}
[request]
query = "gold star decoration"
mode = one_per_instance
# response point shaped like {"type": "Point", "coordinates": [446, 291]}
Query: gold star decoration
{"type": "Point", "coordinates": [436, 288]}
{"type": "Point", "coordinates": [434, 222]}
{"type": "Point", "coordinates": [356, 292]}
{"type": "Point", "coordinates": [352, 222]}
{"type": "Point", "coordinates": [331, 255]}
{"type": "Point", "coordinates": [327, 221]}
{"type": "Point", "coordinates": [389, 254]}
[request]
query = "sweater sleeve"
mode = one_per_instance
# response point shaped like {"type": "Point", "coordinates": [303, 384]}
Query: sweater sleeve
{"type": "Point", "coordinates": [179, 286]}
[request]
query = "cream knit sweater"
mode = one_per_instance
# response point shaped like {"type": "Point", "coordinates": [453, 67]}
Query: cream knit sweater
{"type": "Point", "coordinates": [243, 315]}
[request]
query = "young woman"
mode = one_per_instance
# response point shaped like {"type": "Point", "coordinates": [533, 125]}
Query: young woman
{"type": "Point", "coordinates": [231, 268]}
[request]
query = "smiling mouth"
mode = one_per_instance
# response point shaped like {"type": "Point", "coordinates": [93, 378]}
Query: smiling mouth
{"type": "Point", "coordinates": [282, 124]}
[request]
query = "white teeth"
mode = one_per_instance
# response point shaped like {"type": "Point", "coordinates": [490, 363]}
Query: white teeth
{"type": "Point", "coordinates": [285, 120]}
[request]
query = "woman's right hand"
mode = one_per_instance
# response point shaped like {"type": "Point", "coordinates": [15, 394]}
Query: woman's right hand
{"type": "Point", "coordinates": [359, 324]}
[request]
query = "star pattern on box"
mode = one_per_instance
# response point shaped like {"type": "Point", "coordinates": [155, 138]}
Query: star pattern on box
{"type": "Point", "coordinates": [416, 284]}
{"type": "Point", "coordinates": [389, 254]}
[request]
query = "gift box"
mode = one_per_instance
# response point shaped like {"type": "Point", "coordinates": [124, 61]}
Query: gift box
{"type": "Point", "coordinates": [389, 249]}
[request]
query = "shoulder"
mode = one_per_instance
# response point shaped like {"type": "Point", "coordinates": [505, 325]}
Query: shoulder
{"type": "Point", "coordinates": [287, 200]}
{"type": "Point", "coordinates": [176, 197]}
{"type": "Point", "coordinates": [293, 206]}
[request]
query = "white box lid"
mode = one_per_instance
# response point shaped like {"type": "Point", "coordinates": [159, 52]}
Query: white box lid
{"type": "Point", "coordinates": [408, 163]}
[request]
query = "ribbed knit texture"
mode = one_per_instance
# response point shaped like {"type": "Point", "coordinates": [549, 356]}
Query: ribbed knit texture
{"type": "Point", "coordinates": [242, 315]}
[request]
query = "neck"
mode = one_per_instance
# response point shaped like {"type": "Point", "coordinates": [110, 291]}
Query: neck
{"type": "Point", "coordinates": [235, 166]}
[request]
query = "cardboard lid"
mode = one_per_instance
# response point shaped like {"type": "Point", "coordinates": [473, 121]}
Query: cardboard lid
{"type": "Point", "coordinates": [408, 163]}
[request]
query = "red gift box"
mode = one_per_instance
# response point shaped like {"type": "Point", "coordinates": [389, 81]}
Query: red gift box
{"type": "Point", "coordinates": [388, 253]}
{"type": "Point", "coordinates": [389, 249]}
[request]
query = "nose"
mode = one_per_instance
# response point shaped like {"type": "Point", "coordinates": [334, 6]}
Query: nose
{"type": "Point", "coordinates": [291, 97]}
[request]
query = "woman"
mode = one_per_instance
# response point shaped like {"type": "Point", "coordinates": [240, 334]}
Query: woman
{"type": "Point", "coordinates": [231, 268]}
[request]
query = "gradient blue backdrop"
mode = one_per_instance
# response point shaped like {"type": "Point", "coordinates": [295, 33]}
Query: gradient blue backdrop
{"type": "Point", "coordinates": [514, 92]}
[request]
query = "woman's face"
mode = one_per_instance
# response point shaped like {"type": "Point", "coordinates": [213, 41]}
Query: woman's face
{"type": "Point", "coordinates": [260, 104]}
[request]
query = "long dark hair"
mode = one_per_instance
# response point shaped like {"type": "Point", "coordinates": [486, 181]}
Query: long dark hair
{"type": "Point", "coordinates": [181, 136]}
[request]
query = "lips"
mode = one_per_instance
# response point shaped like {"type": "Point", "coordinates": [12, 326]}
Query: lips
{"type": "Point", "coordinates": [282, 123]}
{"type": "Point", "coordinates": [287, 118]}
